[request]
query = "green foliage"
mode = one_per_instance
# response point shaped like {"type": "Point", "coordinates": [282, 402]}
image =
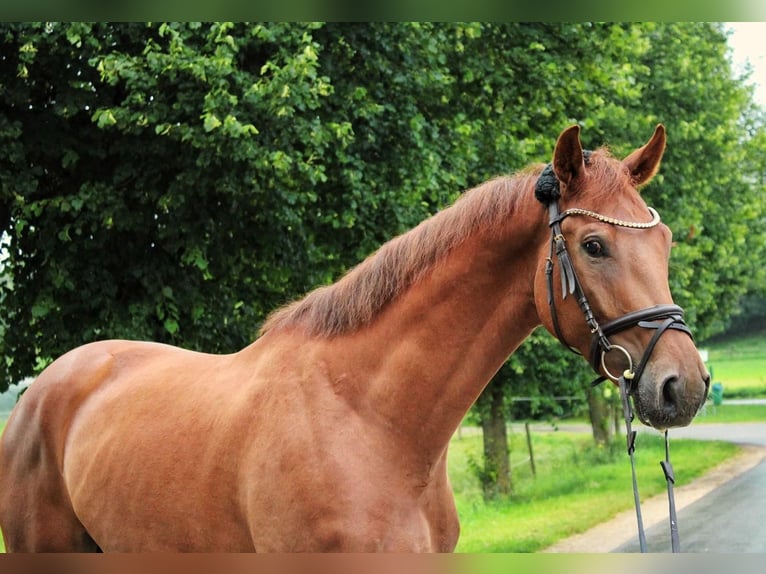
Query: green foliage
{"type": "Point", "coordinates": [751, 312]}
{"type": "Point", "coordinates": [177, 181]}
{"type": "Point", "coordinates": [711, 190]}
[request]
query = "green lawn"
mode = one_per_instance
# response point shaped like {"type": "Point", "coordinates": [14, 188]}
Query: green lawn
{"type": "Point", "coordinates": [728, 413]}
{"type": "Point", "coordinates": [739, 363]}
{"type": "Point", "coordinates": [577, 486]}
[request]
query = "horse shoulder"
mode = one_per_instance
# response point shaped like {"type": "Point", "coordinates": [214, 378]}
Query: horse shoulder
{"type": "Point", "coordinates": [320, 460]}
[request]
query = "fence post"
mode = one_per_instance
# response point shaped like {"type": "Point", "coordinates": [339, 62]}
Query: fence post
{"type": "Point", "coordinates": [529, 447]}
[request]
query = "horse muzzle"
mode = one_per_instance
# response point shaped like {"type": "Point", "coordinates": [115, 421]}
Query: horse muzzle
{"type": "Point", "coordinates": [668, 387]}
{"type": "Point", "coordinates": [668, 398]}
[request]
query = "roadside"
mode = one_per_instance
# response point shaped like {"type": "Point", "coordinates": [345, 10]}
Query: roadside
{"type": "Point", "coordinates": [621, 530]}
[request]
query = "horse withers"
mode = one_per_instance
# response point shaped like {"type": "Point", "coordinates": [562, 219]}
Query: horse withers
{"type": "Point", "coordinates": [330, 431]}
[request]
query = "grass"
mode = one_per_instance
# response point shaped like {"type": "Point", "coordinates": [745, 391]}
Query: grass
{"type": "Point", "coordinates": [739, 363]}
{"type": "Point", "coordinates": [577, 486]}
{"type": "Point", "coordinates": [727, 413]}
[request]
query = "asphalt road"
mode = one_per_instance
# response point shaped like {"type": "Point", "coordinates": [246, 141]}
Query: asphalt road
{"type": "Point", "coordinates": [731, 518]}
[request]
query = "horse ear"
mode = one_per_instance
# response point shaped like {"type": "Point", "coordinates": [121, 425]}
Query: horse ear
{"type": "Point", "coordinates": [645, 161]}
{"type": "Point", "coordinates": [567, 156]}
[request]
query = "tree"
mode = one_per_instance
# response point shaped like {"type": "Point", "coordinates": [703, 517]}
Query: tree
{"type": "Point", "coordinates": [551, 382]}
{"type": "Point", "coordinates": [494, 472]}
{"type": "Point", "coordinates": [137, 202]}
{"type": "Point", "coordinates": [176, 182]}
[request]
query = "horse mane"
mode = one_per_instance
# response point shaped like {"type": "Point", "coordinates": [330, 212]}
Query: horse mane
{"type": "Point", "coordinates": [364, 291]}
{"type": "Point", "coordinates": [355, 299]}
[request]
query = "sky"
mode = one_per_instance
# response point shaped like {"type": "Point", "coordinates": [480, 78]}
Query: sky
{"type": "Point", "coordinates": [748, 43]}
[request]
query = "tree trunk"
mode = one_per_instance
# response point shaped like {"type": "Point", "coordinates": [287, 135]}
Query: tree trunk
{"type": "Point", "coordinates": [600, 418]}
{"type": "Point", "coordinates": [615, 403]}
{"type": "Point", "coordinates": [496, 476]}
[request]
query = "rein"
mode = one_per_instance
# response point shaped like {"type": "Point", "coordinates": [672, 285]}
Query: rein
{"type": "Point", "coordinates": [658, 317]}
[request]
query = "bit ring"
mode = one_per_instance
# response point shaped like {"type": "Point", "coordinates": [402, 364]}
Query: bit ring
{"type": "Point", "coordinates": [628, 374]}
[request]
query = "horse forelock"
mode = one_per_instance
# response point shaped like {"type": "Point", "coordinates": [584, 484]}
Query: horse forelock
{"type": "Point", "coordinates": [359, 296]}
{"type": "Point", "coordinates": [606, 180]}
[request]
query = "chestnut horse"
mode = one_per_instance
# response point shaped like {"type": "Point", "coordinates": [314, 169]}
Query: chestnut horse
{"type": "Point", "coordinates": [330, 431]}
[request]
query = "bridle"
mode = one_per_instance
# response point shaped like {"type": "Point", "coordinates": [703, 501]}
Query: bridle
{"type": "Point", "coordinates": [660, 318]}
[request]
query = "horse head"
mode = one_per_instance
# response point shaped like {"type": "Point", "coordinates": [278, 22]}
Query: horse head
{"type": "Point", "coordinates": [609, 253]}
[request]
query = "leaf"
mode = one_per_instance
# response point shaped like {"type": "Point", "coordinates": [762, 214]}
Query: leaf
{"type": "Point", "coordinates": [211, 122]}
{"type": "Point", "coordinates": [40, 309]}
{"type": "Point", "coordinates": [171, 326]}
{"type": "Point", "coordinates": [104, 118]}
{"type": "Point", "coordinates": [69, 158]}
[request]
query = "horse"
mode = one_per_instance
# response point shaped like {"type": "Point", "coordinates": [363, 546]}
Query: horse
{"type": "Point", "coordinates": [329, 432]}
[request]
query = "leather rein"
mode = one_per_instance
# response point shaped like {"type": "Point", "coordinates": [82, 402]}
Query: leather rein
{"type": "Point", "coordinates": [660, 318]}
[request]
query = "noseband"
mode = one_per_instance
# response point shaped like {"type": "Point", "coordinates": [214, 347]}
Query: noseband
{"type": "Point", "coordinates": [658, 317]}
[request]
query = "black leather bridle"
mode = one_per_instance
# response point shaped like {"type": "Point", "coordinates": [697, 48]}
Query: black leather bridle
{"type": "Point", "coordinates": [658, 317]}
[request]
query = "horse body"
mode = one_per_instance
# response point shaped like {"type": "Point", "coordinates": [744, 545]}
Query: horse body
{"type": "Point", "coordinates": [330, 431]}
{"type": "Point", "coordinates": [294, 443]}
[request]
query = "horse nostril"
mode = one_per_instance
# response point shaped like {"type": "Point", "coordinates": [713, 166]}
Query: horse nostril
{"type": "Point", "coordinates": [670, 392]}
{"type": "Point", "coordinates": [678, 400]}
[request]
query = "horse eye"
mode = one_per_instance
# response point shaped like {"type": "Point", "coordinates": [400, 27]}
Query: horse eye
{"type": "Point", "coordinates": [594, 248]}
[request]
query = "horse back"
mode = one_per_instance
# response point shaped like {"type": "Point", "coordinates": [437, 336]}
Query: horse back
{"type": "Point", "coordinates": [43, 416]}
{"type": "Point", "coordinates": [58, 436]}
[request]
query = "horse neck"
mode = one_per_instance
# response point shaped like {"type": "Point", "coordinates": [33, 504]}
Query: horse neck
{"type": "Point", "coordinates": [426, 358]}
